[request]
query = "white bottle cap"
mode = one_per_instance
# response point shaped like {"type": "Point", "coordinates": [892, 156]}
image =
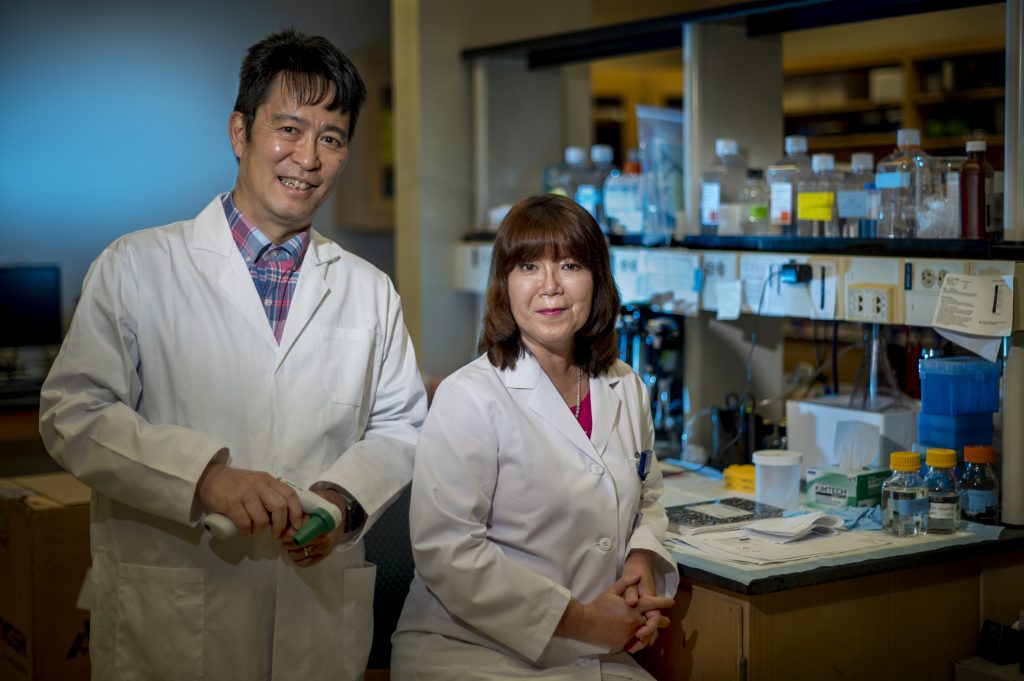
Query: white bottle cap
{"type": "Point", "coordinates": [726, 147]}
{"type": "Point", "coordinates": [796, 144]}
{"type": "Point", "coordinates": [862, 160]}
{"type": "Point", "coordinates": [823, 162]}
{"type": "Point", "coordinates": [906, 137]}
{"type": "Point", "coordinates": [575, 156]}
{"type": "Point", "coordinates": [602, 153]}
{"type": "Point", "coordinates": [976, 145]}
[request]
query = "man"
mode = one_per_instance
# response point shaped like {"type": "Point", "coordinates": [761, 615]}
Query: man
{"type": "Point", "coordinates": [210, 357]}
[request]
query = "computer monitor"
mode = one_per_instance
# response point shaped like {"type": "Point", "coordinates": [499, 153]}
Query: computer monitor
{"type": "Point", "coordinates": [30, 311]}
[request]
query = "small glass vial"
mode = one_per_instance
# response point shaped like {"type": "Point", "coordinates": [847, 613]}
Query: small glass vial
{"type": "Point", "coordinates": [904, 496]}
{"type": "Point", "coordinates": [943, 492]}
{"type": "Point", "coordinates": [979, 489]}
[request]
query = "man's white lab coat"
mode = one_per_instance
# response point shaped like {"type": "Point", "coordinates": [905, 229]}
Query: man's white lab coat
{"type": "Point", "coordinates": [170, 363]}
{"type": "Point", "coordinates": [513, 511]}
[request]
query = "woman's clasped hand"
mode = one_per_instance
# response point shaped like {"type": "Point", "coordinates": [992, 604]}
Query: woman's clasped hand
{"type": "Point", "coordinates": [610, 620]}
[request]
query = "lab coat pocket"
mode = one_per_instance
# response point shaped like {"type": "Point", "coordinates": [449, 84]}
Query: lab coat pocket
{"type": "Point", "coordinates": [159, 622]}
{"type": "Point", "coordinates": [346, 362]}
{"type": "Point", "coordinates": [358, 618]}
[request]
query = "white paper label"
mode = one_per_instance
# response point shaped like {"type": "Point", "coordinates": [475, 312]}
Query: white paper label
{"type": "Point", "coordinates": [852, 203]}
{"type": "Point", "coordinates": [710, 199]}
{"type": "Point", "coordinates": [781, 203]}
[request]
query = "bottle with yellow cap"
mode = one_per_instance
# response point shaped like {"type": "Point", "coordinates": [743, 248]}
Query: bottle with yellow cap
{"type": "Point", "coordinates": [904, 496]}
{"type": "Point", "coordinates": [943, 492]}
{"type": "Point", "coordinates": [979, 499]}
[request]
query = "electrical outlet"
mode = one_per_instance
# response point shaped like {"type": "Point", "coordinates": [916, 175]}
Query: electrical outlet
{"type": "Point", "coordinates": [718, 267]}
{"type": "Point", "coordinates": [869, 303]}
{"type": "Point", "coordinates": [922, 282]}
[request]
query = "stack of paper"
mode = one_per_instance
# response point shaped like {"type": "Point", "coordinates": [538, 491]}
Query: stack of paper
{"type": "Point", "coordinates": [785, 530]}
{"type": "Point", "coordinates": [733, 546]}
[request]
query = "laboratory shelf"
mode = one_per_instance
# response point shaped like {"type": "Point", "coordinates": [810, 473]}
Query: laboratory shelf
{"type": "Point", "coordinates": [970, 249]}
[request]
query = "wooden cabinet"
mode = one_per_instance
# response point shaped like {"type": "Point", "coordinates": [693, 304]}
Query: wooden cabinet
{"type": "Point", "coordinates": [857, 102]}
{"type": "Point", "coordinates": [911, 623]}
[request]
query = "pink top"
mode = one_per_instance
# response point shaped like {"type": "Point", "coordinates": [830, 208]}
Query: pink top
{"type": "Point", "coordinates": [586, 418]}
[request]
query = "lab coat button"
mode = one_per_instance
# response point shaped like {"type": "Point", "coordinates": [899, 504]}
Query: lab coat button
{"type": "Point", "coordinates": [584, 662]}
{"type": "Point", "coordinates": [605, 544]}
{"type": "Point", "coordinates": [596, 470]}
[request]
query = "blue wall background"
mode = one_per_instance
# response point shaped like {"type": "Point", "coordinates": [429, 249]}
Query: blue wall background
{"type": "Point", "coordinates": [114, 116]}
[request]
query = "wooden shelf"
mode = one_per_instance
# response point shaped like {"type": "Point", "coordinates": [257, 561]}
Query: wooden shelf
{"type": "Point", "coordinates": [867, 139]}
{"type": "Point", "coordinates": [850, 106]}
{"type": "Point", "coordinates": [959, 141]}
{"type": "Point", "coordinates": [974, 95]}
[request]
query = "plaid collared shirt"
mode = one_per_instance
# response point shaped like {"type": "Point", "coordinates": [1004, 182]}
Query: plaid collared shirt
{"type": "Point", "coordinates": [274, 268]}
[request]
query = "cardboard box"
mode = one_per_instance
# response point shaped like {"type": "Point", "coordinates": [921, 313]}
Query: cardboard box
{"type": "Point", "coordinates": [44, 555]}
{"type": "Point", "coordinates": [836, 487]}
{"type": "Point", "coordinates": [885, 85]}
{"type": "Point", "coordinates": [829, 434]}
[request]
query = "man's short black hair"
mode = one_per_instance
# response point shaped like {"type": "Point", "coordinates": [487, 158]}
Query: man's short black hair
{"type": "Point", "coordinates": [310, 66]}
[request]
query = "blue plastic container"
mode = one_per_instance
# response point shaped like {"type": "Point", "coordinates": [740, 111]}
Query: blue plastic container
{"type": "Point", "coordinates": [954, 432]}
{"type": "Point", "coordinates": [959, 385]}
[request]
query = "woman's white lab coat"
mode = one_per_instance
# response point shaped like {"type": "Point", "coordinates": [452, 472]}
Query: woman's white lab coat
{"type": "Point", "coordinates": [170, 362]}
{"type": "Point", "coordinates": [513, 511]}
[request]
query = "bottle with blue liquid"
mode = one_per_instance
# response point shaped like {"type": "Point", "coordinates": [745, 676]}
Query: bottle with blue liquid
{"type": "Point", "coordinates": [904, 496]}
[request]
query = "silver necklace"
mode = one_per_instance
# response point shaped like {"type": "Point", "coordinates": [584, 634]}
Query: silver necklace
{"type": "Point", "coordinates": [579, 385]}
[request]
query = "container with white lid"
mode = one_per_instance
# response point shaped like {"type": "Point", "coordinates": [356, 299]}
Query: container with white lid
{"type": "Point", "coordinates": [777, 477]}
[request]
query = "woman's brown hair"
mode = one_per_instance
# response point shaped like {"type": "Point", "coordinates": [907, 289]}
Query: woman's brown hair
{"type": "Point", "coordinates": [551, 226]}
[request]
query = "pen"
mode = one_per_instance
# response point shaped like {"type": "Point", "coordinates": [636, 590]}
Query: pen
{"type": "Point", "coordinates": [643, 464]}
{"type": "Point", "coordinates": [995, 297]}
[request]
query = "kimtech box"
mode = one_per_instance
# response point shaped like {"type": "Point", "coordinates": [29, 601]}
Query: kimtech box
{"type": "Point", "coordinates": [836, 487]}
{"type": "Point", "coordinates": [44, 555]}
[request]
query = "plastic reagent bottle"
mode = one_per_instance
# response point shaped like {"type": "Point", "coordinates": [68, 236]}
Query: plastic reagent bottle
{"type": "Point", "coordinates": [623, 198]}
{"type": "Point", "coordinates": [853, 202]}
{"type": "Point", "coordinates": [754, 197]}
{"type": "Point", "coordinates": [590, 190]}
{"type": "Point", "coordinates": [904, 496]}
{"type": "Point", "coordinates": [569, 173]}
{"type": "Point", "coordinates": [782, 178]}
{"type": "Point", "coordinates": [943, 492]}
{"type": "Point", "coordinates": [979, 499]}
{"type": "Point", "coordinates": [898, 187]}
{"type": "Point", "coordinates": [816, 199]}
{"type": "Point", "coordinates": [720, 189]}
{"type": "Point", "coordinates": [976, 194]}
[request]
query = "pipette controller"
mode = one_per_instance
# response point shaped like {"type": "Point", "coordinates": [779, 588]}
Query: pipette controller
{"type": "Point", "coordinates": [323, 517]}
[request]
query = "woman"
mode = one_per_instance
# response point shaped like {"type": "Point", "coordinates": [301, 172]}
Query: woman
{"type": "Point", "coordinates": [537, 544]}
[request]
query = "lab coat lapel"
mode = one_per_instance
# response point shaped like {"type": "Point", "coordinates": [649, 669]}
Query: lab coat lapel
{"type": "Point", "coordinates": [310, 292]}
{"type": "Point", "coordinates": [546, 403]}
{"type": "Point", "coordinates": [604, 406]}
{"type": "Point", "coordinates": [212, 233]}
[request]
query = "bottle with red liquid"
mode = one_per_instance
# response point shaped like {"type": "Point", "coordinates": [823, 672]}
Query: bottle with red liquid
{"type": "Point", "coordinates": [975, 192]}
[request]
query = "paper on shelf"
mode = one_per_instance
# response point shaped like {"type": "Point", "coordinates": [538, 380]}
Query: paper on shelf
{"type": "Point", "coordinates": [976, 305]}
{"type": "Point", "coordinates": [735, 547]}
{"type": "Point", "coordinates": [729, 299]}
{"type": "Point", "coordinates": [784, 530]}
